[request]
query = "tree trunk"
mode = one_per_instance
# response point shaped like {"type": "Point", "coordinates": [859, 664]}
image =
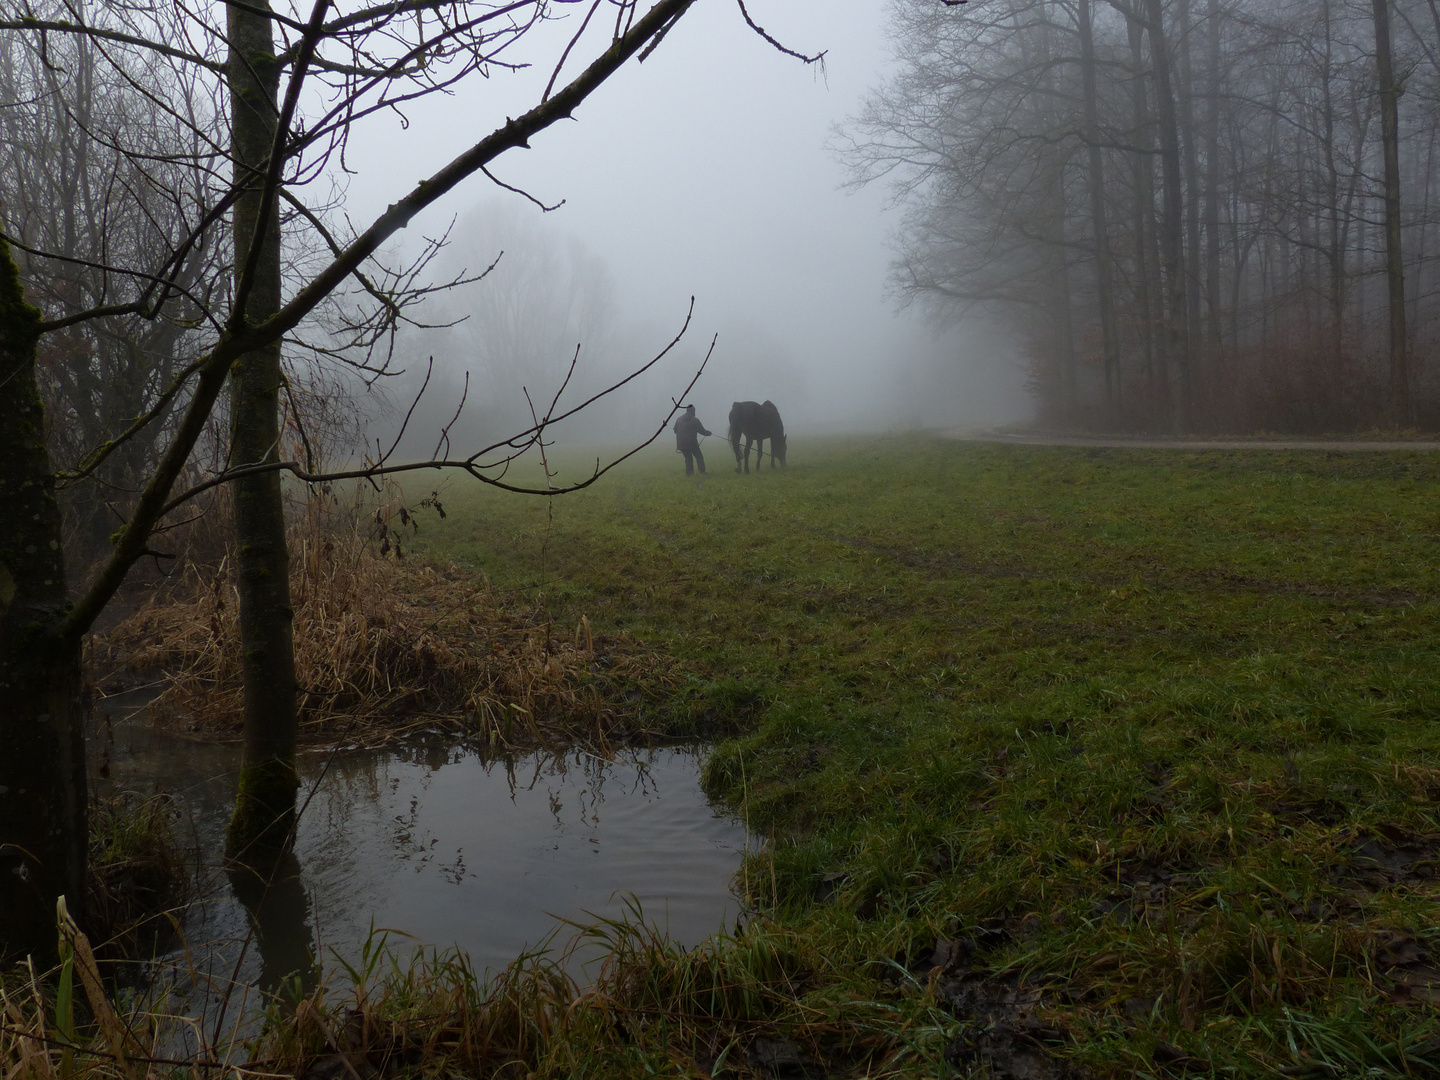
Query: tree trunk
{"type": "Point", "coordinates": [42, 705]}
{"type": "Point", "coordinates": [1335, 240]}
{"type": "Point", "coordinates": [1104, 287]}
{"type": "Point", "coordinates": [1394, 263]}
{"type": "Point", "coordinates": [263, 823]}
{"type": "Point", "coordinates": [1055, 214]}
{"type": "Point", "coordinates": [1199, 378]}
{"type": "Point", "coordinates": [1213, 336]}
{"type": "Point", "coordinates": [1143, 183]}
{"type": "Point", "coordinates": [1172, 224]}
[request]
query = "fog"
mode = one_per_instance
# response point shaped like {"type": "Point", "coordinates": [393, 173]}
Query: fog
{"type": "Point", "coordinates": [1207, 222]}
{"type": "Point", "coordinates": [704, 172]}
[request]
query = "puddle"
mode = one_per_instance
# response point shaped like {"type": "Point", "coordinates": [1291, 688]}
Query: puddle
{"type": "Point", "coordinates": [447, 847]}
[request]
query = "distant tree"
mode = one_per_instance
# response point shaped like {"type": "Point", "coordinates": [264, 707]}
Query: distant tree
{"type": "Point", "coordinates": [1172, 216]}
{"type": "Point", "coordinates": [99, 174]}
{"type": "Point", "coordinates": [1099, 222]}
{"type": "Point", "coordinates": [1394, 246]}
{"type": "Point", "coordinates": [1210, 177]}
{"type": "Point", "coordinates": [543, 293]}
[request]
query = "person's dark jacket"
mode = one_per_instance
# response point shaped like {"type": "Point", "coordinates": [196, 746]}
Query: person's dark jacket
{"type": "Point", "coordinates": [687, 428]}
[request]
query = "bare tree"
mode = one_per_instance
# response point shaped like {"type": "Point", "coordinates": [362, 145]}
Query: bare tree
{"type": "Point", "coordinates": [67, 189]}
{"type": "Point", "coordinates": [1099, 222]}
{"type": "Point", "coordinates": [542, 294]}
{"type": "Point", "coordinates": [294, 104]}
{"type": "Point", "coordinates": [1394, 248]}
{"type": "Point", "coordinates": [967, 132]}
{"type": "Point", "coordinates": [1172, 240]}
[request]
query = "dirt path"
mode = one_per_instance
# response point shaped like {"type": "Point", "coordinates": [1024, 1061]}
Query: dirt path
{"type": "Point", "coordinates": [1044, 439]}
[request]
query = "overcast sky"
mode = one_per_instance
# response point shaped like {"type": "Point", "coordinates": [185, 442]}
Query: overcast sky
{"type": "Point", "coordinates": [705, 172]}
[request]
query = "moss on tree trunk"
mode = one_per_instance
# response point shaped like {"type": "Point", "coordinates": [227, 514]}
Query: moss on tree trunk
{"type": "Point", "coordinates": [264, 818]}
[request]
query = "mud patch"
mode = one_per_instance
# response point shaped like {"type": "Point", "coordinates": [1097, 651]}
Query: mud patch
{"type": "Point", "coordinates": [783, 1058]}
{"type": "Point", "coordinates": [1393, 856]}
{"type": "Point", "coordinates": [1003, 1035]}
{"type": "Point", "coordinates": [1142, 891]}
{"type": "Point", "coordinates": [1411, 965]}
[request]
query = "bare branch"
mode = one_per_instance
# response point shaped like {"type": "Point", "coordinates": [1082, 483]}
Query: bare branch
{"type": "Point", "coordinates": [99, 33]}
{"type": "Point", "coordinates": [818, 58]}
{"type": "Point", "coordinates": [500, 183]}
{"type": "Point", "coordinates": [509, 448]}
{"type": "Point", "coordinates": [515, 133]}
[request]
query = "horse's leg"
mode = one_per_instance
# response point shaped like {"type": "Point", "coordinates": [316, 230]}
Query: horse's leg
{"type": "Point", "coordinates": [748, 441]}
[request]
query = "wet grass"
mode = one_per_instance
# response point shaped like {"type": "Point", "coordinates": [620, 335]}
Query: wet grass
{"type": "Point", "coordinates": [141, 877]}
{"type": "Point", "coordinates": [650, 1008]}
{"type": "Point", "coordinates": [1116, 759]}
{"type": "Point", "coordinates": [1075, 763]}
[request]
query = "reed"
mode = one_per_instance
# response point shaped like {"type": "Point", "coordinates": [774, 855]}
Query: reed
{"type": "Point", "coordinates": [738, 1003]}
{"type": "Point", "coordinates": [387, 646]}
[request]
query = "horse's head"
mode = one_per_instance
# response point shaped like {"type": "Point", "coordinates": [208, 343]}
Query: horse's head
{"type": "Point", "coordinates": [777, 448]}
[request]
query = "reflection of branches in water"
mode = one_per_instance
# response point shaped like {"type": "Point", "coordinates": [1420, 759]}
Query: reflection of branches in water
{"type": "Point", "coordinates": [595, 770]}
{"type": "Point", "coordinates": [370, 779]}
{"type": "Point", "coordinates": [278, 923]}
{"type": "Point", "coordinates": [394, 784]}
{"type": "Point", "coordinates": [210, 937]}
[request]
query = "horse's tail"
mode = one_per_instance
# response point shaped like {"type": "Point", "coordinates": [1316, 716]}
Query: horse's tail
{"type": "Point", "coordinates": [733, 436]}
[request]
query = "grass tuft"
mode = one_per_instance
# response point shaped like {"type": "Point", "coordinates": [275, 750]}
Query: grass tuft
{"type": "Point", "coordinates": [140, 875]}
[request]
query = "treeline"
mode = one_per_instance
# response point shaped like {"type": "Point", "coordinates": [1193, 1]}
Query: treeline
{"type": "Point", "coordinates": [1197, 214]}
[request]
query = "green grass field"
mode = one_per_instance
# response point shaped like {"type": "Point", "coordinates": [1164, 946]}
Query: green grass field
{"type": "Point", "coordinates": [1118, 760]}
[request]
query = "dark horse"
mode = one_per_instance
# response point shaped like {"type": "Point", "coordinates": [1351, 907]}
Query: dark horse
{"type": "Point", "coordinates": [757, 423]}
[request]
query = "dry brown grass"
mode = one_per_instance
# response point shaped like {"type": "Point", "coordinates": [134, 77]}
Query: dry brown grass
{"type": "Point", "coordinates": [386, 647]}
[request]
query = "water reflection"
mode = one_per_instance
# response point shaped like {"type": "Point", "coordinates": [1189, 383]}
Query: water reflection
{"type": "Point", "coordinates": [446, 847]}
{"type": "Point", "coordinates": [279, 913]}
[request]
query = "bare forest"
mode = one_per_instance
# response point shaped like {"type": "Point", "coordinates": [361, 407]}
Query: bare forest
{"type": "Point", "coordinates": [1199, 215]}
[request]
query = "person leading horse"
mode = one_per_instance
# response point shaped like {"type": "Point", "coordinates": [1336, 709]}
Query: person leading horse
{"type": "Point", "coordinates": [687, 428]}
